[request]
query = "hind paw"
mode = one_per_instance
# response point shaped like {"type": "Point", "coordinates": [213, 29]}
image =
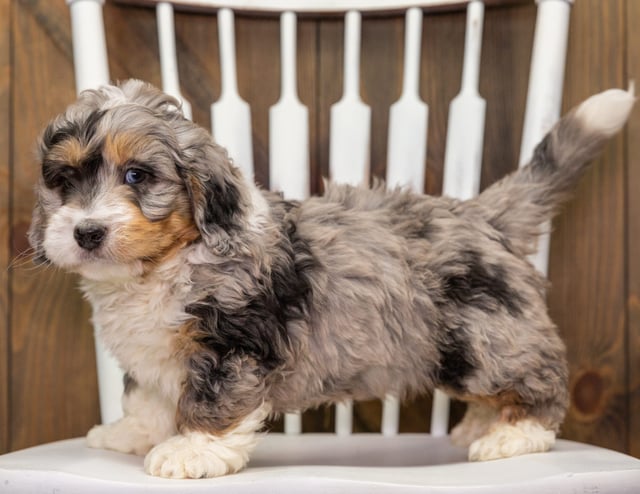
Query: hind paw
{"type": "Point", "coordinates": [505, 440]}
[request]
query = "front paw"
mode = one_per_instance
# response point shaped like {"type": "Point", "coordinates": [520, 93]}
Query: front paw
{"type": "Point", "coordinates": [122, 436]}
{"type": "Point", "coordinates": [196, 455]}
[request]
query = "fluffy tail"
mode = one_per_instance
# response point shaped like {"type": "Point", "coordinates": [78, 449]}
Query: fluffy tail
{"type": "Point", "coordinates": [520, 203]}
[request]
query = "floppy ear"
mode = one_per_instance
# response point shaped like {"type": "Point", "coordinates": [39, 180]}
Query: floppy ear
{"type": "Point", "coordinates": [216, 188]}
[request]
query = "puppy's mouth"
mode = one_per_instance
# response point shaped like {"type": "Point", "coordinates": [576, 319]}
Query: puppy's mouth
{"type": "Point", "coordinates": [117, 240]}
{"type": "Point", "coordinates": [99, 265]}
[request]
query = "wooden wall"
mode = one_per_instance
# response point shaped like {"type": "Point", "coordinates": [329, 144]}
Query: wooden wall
{"type": "Point", "coordinates": [47, 376]}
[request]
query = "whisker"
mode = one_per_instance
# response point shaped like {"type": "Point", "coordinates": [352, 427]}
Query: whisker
{"type": "Point", "coordinates": [24, 263]}
{"type": "Point", "coordinates": [22, 259]}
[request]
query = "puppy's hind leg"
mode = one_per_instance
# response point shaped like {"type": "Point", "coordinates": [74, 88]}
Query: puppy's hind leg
{"type": "Point", "coordinates": [476, 423]}
{"type": "Point", "coordinates": [529, 417]}
{"type": "Point", "coordinates": [506, 439]}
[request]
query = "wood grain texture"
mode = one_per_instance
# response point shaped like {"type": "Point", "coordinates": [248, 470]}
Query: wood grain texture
{"type": "Point", "coordinates": [132, 27]}
{"type": "Point", "coordinates": [632, 219]}
{"type": "Point", "coordinates": [506, 96]}
{"type": "Point", "coordinates": [5, 159]}
{"type": "Point", "coordinates": [52, 363]}
{"type": "Point", "coordinates": [587, 266]}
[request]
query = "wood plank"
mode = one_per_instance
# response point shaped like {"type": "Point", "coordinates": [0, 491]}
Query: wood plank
{"type": "Point", "coordinates": [440, 76]}
{"type": "Point", "coordinates": [5, 158]}
{"type": "Point", "coordinates": [506, 51]}
{"type": "Point", "coordinates": [53, 378]}
{"type": "Point", "coordinates": [382, 46]}
{"type": "Point", "coordinates": [257, 49]}
{"type": "Point", "coordinates": [587, 265]}
{"type": "Point", "coordinates": [127, 27]}
{"type": "Point", "coordinates": [633, 233]}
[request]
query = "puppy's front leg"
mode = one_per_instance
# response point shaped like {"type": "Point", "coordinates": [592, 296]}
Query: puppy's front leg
{"type": "Point", "coordinates": [149, 419]}
{"type": "Point", "coordinates": [221, 409]}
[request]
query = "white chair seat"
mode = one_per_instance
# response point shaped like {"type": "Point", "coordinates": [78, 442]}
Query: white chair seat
{"type": "Point", "coordinates": [366, 463]}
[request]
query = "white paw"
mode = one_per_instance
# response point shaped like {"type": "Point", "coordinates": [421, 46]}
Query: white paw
{"type": "Point", "coordinates": [120, 436]}
{"type": "Point", "coordinates": [97, 436]}
{"type": "Point", "coordinates": [196, 455]}
{"type": "Point", "coordinates": [506, 440]}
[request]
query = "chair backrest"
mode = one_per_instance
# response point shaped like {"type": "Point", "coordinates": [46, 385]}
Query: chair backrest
{"type": "Point", "coordinates": [350, 117]}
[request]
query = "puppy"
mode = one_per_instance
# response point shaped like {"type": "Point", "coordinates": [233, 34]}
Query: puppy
{"type": "Point", "coordinates": [224, 303]}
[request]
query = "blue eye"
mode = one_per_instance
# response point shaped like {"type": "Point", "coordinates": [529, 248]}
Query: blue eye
{"type": "Point", "coordinates": [134, 176]}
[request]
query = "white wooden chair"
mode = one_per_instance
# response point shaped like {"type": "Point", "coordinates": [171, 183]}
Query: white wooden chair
{"type": "Point", "coordinates": [341, 462]}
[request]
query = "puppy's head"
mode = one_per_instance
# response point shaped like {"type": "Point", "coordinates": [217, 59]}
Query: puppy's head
{"type": "Point", "coordinates": [127, 181]}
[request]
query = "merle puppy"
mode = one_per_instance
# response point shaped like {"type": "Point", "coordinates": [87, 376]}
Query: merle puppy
{"type": "Point", "coordinates": [224, 303]}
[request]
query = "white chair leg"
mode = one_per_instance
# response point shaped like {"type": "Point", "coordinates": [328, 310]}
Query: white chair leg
{"type": "Point", "coordinates": [390, 416]}
{"type": "Point", "coordinates": [408, 117]}
{"type": "Point", "coordinates": [440, 414]}
{"type": "Point", "coordinates": [168, 58]}
{"type": "Point", "coordinates": [231, 115]}
{"type": "Point", "coordinates": [465, 132]}
{"type": "Point", "coordinates": [289, 123]}
{"type": "Point", "coordinates": [89, 45]}
{"type": "Point", "coordinates": [350, 132]}
{"type": "Point", "coordinates": [544, 96]}
{"type": "Point", "coordinates": [344, 418]}
{"type": "Point", "coordinates": [293, 424]}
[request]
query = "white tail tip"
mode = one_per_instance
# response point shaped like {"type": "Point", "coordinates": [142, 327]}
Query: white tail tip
{"type": "Point", "coordinates": [606, 112]}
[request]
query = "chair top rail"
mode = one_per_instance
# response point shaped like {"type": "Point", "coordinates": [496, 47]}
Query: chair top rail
{"type": "Point", "coordinates": [320, 6]}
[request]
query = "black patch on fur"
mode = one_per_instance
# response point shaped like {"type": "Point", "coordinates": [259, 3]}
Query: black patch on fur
{"type": "Point", "coordinates": [199, 407]}
{"type": "Point", "coordinates": [456, 360]}
{"type": "Point", "coordinates": [425, 229]}
{"type": "Point", "coordinates": [72, 176]}
{"type": "Point", "coordinates": [69, 178]}
{"type": "Point", "coordinates": [542, 160]}
{"type": "Point", "coordinates": [91, 164]}
{"type": "Point", "coordinates": [259, 329]}
{"type": "Point", "coordinates": [222, 203]}
{"type": "Point", "coordinates": [40, 258]}
{"type": "Point", "coordinates": [482, 286]}
{"type": "Point", "coordinates": [129, 383]}
{"type": "Point", "coordinates": [82, 131]}
{"type": "Point", "coordinates": [289, 205]}
{"type": "Point", "coordinates": [56, 174]}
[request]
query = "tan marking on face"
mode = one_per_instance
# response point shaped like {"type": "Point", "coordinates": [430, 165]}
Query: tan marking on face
{"type": "Point", "coordinates": [154, 241]}
{"type": "Point", "coordinates": [122, 147]}
{"type": "Point", "coordinates": [69, 151]}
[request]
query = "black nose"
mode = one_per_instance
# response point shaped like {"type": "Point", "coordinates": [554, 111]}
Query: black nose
{"type": "Point", "coordinates": [89, 235]}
